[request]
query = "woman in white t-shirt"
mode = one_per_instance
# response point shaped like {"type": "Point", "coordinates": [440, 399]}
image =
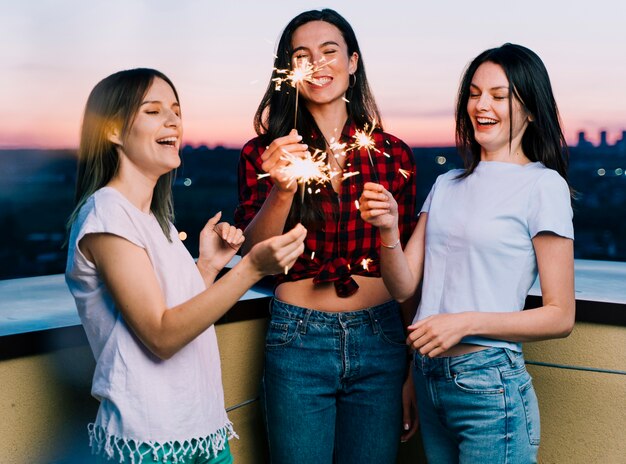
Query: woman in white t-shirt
{"type": "Point", "coordinates": [147, 308]}
{"type": "Point", "coordinates": [482, 236]}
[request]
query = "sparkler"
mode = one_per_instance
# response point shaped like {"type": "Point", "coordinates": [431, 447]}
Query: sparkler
{"type": "Point", "coordinates": [306, 170]}
{"type": "Point", "coordinates": [363, 139]}
{"type": "Point", "coordinates": [302, 71]}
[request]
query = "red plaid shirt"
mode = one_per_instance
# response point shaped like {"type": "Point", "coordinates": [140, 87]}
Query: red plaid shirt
{"type": "Point", "coordinates": [346, 246]}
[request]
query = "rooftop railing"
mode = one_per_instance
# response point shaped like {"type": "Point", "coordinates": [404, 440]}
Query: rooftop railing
{"type": "Point", "coordinates": [46, 368]}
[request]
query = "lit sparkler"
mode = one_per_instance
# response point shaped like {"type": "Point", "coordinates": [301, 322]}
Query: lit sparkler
{"type": "Point", "coordinates": [363, 139]}
{"type": "Point", "coordinates": [302, 71]}
{"type": "Point", "coordinates": [306, 170]}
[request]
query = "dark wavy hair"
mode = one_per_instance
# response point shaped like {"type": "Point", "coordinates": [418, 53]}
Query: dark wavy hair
{"type": "Point", "coordinates": [114, 102]}
{"type": "Point", "coordinates": [529, 83]}
{"type": "Point", "coordinates": [274, 116]}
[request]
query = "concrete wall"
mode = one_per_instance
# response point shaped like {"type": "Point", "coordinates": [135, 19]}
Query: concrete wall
{"type": "Point", "coordinates": [45, 403]}
{"type": "Point", "coordinates": [583, 414]}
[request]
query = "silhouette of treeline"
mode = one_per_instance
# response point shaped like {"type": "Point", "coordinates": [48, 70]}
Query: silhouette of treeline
{"type": "Point", "coordinates": [37, 188]}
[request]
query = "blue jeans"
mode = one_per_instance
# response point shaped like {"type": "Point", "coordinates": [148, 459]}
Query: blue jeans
{"type": "Point", "coordinates": [477, 408]}
{"type": "Point", "coordinates": [332, 384]}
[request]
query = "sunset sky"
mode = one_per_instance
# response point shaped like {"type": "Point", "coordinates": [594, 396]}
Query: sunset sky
{"type": "Point", "coordinates": [219, 54]}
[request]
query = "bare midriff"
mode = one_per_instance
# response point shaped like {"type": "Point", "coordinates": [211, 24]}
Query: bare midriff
{"type": "Point", "coordinates": [461, 348]}
{"type": "Point", "coordinates": [323, 297]}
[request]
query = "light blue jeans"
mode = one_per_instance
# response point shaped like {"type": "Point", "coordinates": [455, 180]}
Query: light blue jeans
{"type": "Point", "coordinates": [477, 408]}
{"type": "Point", "coordinates": [332, 385]}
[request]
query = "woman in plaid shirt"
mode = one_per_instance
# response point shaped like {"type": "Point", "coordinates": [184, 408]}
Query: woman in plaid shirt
{"type": "Point", "coordinates": [335, 358]}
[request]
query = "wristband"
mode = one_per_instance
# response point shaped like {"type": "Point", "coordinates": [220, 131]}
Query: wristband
{"type": "Point", "coordinates": [391, 247]}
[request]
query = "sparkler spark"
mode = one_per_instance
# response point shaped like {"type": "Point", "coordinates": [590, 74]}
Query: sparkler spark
{"type": "Point", "coordinates": [365, 262]}
{"type": "Point", "coordinates": [404, 173]}
{"type": "Point", "coordinates": [312, 167]}
{"type": "Point", "coordinates": [349, 174]}
{"type": "Point", "coordinates": [302, 71]}
{"type": "Point", "coordinates": [363, 139]}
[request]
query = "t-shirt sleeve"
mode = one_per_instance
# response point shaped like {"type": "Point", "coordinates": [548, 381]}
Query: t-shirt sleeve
{"type": "Point", "coordinates": [550, 207]}
{"type": "Point", "coordinates": [109, 216]}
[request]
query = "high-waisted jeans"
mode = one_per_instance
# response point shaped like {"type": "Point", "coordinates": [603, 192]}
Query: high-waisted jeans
{"type": "Point", "coordinates": [477, 408]}
{"type": "Point", "coordinates": [332, 384]}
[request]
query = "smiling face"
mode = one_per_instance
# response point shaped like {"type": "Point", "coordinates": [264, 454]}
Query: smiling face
{"type": "Point", "coordinates": [488, 109]}
{"type": "Point", "coordinates": [153, 141]}
{"type": "Point", "coordinates": [322, 44]}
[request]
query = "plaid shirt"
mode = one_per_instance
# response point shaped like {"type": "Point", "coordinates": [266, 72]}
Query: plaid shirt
{"type": "Point", "coordinates": [346, 246]}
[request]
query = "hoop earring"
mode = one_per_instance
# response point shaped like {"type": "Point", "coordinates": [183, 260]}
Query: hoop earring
{"type": "Point", "coordinates": [350, 83]}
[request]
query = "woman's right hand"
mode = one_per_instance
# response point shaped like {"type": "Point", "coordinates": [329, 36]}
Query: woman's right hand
{"type": "Point", "coordinates": [274, 255]}
{"type": "Point", "coordinates": [273, 161]}
{"type": "Point", "coordinates": [378, 207]}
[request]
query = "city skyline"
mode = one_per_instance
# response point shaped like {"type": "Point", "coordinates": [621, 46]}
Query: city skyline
{"type": "Point", "coordinates": [220, 58]}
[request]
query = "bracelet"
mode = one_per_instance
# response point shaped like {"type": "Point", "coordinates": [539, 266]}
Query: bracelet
{"type": "Point", "coordinates": [391, 247]}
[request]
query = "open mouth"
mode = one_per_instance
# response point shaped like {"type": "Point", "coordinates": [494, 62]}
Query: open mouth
{"type": "Point", "coordinates": [321, 81]}
{"type": "Point", "coordinates": [486, 121]}
{"type": "Point", "coordinates": [168, 141]}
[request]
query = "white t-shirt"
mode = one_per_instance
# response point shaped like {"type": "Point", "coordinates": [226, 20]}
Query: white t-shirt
{"type": "Point", "coordinates": [479, 251]}
{"type": "Point", "coordinates": [144, 399]}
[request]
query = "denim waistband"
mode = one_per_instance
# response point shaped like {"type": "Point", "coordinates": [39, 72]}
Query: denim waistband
{"type": "Point", "coordinates": [349, 318]}
{"type": "Point", "coordinates": [449, 366]}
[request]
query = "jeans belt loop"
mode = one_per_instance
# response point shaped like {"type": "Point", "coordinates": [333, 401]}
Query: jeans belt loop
{"type": "Point", "coordinates": [446, 367]}
{"type": "Point", "coordinates": [509, 354]}
{"type": "Point", "coordinates": [304, 321]}
{"type": "Point", "coordinates": [373, 321]}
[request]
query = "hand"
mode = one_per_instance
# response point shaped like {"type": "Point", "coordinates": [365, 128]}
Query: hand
{"type": "Point", "coordinates": [436, 334]}
{"type": "Point", "coordinates": [378, 207]}
{"type": "Point", "coordinates": [218, 243]}
{"type": "Point", "coordinates": [410, 419]}
{"type": "Point", "coordinates": [273, 161]}
{"type": "Point", "coordinates": [274, 255]}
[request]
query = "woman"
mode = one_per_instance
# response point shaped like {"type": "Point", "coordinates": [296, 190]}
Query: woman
{"type": "Point", "coordinates": [335, 358]}
{"type": "Point", "coordinates": [483, 235]}
{"type": "Point", "coordinates": [148, 310]}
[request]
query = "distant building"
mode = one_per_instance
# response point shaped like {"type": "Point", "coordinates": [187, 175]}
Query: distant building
{"type": "Point", "coordinates": [603, 142]}
{"type": "Point", "coordinates": [582, 141]}
{"type": "Point", "coordinates": [621, 144]}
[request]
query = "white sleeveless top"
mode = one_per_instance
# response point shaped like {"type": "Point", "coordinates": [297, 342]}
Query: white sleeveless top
{"type": "Point", "coordinates": [145, 400]}
{"type": "Point", "coordinates": [479, 253]}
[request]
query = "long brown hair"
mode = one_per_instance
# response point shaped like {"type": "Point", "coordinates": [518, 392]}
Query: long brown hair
{"type": "Point", "coordinates": [529, 82]}
{"type": "Point", "coordinates": [274, 116]}
{"type": "Point", "coordinates": [114, 102]}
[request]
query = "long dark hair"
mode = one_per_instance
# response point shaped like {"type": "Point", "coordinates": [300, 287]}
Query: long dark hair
{"type": "Point", "coordinates": [274, 116]}
{"type": "Point", "coordinates": [114, 102]}
{"type": "Point", "coordinates": [529, 82]}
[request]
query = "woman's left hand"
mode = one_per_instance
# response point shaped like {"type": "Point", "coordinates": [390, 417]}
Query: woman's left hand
{"type": "Point", "coordinates": [378, 207]}
{"type": "Point", "coordinates": [437, 334]}
{"type": "Point", "coordinates": [218, 243]}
